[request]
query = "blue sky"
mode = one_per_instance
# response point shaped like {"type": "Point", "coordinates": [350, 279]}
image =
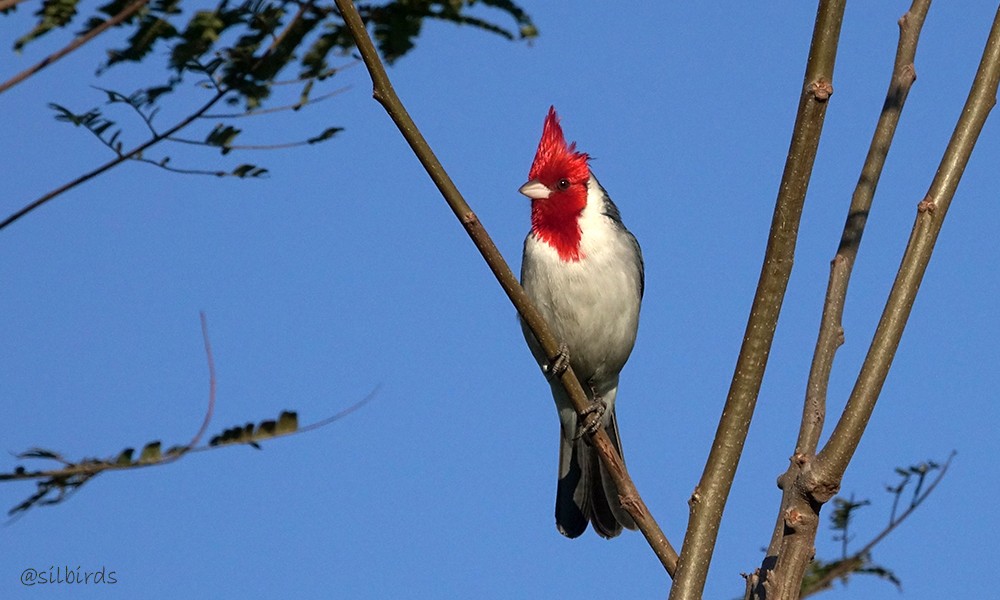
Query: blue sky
{"type": "Point", "coordinates": [344, 270]}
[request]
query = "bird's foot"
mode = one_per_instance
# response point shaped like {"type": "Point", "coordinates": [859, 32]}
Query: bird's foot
{"type": "Point", "coordinates": [558, 363]}
{"type": "Point", "coordinates": [592, 417]}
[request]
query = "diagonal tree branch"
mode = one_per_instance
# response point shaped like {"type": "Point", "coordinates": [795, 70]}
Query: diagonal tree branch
{"type": "Point", "coordinates": [709, 497]}
{"type": "Point", "coordinates": [790, 550]}
{"type": "Point", "coordinates": [127, 12]}
{"type": "Point", "coordinates": [386, 96]}
{"type": "Point", "coordinates": [134, 153]}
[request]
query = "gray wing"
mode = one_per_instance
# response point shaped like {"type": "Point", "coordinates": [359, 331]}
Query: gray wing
{"type": "Point", "coordinates": [610, 210]}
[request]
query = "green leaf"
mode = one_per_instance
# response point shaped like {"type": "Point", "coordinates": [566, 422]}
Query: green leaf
{"type": "Point", "coordinates": [882, 573]}
{"type": "Point", "coordinates": [288, 422]}
{"type": "Point", "coordinates": [150, 31]}
{"type": "Point", "coordinates": [246, 170]}
{"type": "Point", "coordinates": [150, 453]}
{"type": "Point", "coordinates": [843, 511]}
{"type": "Point", "coordinates": [52, 15]}
{"type": "Point", "coordinates": [176, 450]}
{"type": "Point", "coordinates": [222, 136]}
{"type": "Point", "coordinates": [265, 430]}
{"type": "Point", "coordinates": [314, 60]}
{"type": "Point", "coordinates": [327, 134]}
{"type": "Point", "coordinates": [40, 453]}
{"type": "Point", "coordinates": [125, 457]}
{"type": "Point", "coordinates": [68, 116]}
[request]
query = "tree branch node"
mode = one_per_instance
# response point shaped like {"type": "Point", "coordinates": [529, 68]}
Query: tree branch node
{"type": "Point", "coordinates": [631, 502]}
{"type": "Point", "coordinates": [821, 89]}
{"type": "Point", "coordinates": [819, 489]}
{"type": "Point", "coordinates": [927, 205]}
{"type": "Point", "coordinates": [695, 498]}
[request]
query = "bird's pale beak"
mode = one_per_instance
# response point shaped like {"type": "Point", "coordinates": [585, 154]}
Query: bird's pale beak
{"type": "Point", "coordinates": [535, 190]}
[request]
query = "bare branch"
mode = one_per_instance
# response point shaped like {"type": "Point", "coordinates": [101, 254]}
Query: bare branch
{"type": "Point", "coordinates": [386, 96]}
{"type": "Point", "coordinates": [831, 330]}
{"type": "Point", "coordinates": [794, 536]}
{"type": "Point", "coordinates": [282, 146]}
{"type": "Point", "coordinates": [832, 461]}
{"type": "Point", "coordinates": [709, 497]}
{"type": "Point", "coordinates": [210, 360]}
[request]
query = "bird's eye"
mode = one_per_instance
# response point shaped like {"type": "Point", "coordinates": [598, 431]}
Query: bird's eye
{"type": "Point", "coordinates": [563, 184]}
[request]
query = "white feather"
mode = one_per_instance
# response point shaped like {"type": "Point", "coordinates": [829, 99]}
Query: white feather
{"type": "Point", "coordinates": [591, 304]}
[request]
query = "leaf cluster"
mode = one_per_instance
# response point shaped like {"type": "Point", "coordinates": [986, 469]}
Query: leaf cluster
{"type": "Point", "coordinates": [239, 51]}
{"type": "Point", "coordinates": [58, 484]}
{"type": "Point", "coordinates": [250, 43]}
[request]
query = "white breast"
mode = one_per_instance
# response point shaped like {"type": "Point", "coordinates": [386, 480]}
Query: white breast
{"type": "Point", "coordinates": [591, 304]}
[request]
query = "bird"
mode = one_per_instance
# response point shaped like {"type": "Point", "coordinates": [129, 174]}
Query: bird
{"type": "Point", "coordinates": [583, 271]}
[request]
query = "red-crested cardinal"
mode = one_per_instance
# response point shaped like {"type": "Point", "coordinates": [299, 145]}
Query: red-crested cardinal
{"type": "Point", "coordinates": [584, 272]}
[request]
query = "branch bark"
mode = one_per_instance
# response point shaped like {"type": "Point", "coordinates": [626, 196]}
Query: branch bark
{"type": "Point", "coordinates": [709, 498]}
{"type": "Point", "coordinates": [385, 95]}
{"type": "Point", "coordinates": [791, 547]}
{"type": "Point", "coordinates": [818, 478]}
{"type": "Point", "coordinates": [833, 459]}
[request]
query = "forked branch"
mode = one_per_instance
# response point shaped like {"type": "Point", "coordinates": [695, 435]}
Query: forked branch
{"type": "Point", "coordinates": [790, 549]}
{"type": "Point", "coordinates": [833, 459]}
{"type": "Point", "coordinates": [818, 478]}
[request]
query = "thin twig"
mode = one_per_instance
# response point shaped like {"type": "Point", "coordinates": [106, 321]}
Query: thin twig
{"type": "Point", "coordinates": [127, 12]}
{"type": "Point", "coordinates": [210, 409]}
{"type": "Point", "coordinates": [221, 91]}
{"type": "Point", "coordinates": [182, 170]}
{"type": "Point", "coordinates": [138, 150]}
{"type": "Point", "coordinates": [287, 107]}
{"type": "Point", "coordinates": [789, 551]}
{"type": "Point", "coordinates": [850, 564]}
{"type": "Point", "coordinates": [278, 39]}
{"type": "Point", "coordinates": [341, 414]}
{"type": "Point", "coordinates": [318, 76]}
{"type": "Point", "coordinates": [282, 146]}
{"type": "Point", "coordinates": [386, 96]}
{"type": "Point", "coordinates": [91, 467]}
{"type": "Point", "coordinates": [709, 497]}
{"type": "Point", "coordinates": [210, 360]}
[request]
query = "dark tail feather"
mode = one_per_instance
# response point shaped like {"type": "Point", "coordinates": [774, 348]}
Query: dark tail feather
{"type": "Point", "coordinates": [610, 489]}
{"type": "Point", "coordinates": [586, 492]}
{"type": "Point", "coordinates": [573, 491]}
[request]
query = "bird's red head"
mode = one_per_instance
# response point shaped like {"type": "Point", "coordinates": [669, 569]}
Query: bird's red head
{"type": "Point", "coordinates": [557, 187]}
